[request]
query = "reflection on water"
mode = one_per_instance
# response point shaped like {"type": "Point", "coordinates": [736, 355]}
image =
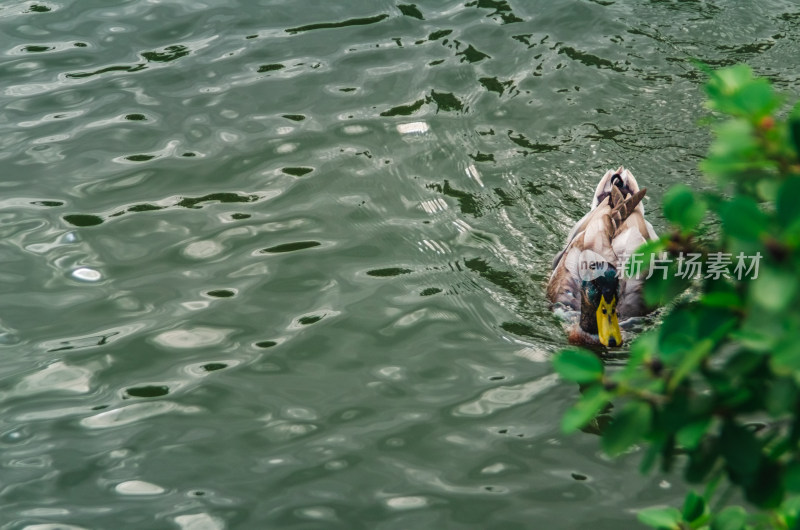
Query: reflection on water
{"type": "Point", "coordinates": [274, 264]}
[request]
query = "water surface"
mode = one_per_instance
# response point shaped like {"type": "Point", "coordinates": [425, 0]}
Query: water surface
{"type": "Point", "coordinates": [273, 264]}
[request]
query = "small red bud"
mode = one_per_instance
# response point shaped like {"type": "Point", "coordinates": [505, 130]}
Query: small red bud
{"type": "Point", "coordinates": [766, 123]}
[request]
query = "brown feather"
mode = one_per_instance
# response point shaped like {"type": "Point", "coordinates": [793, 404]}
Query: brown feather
{"type": "Point", "coordinates": [615, 212]}
{"type": "Point", "coordinates": [623, 207]}
{"type": "Point", "coordinates": [616, 197]}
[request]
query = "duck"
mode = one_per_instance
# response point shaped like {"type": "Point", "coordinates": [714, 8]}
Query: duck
{"type": "Point", "coordinates": [586, 285]}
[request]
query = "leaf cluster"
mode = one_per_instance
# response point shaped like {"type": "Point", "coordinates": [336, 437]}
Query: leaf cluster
{"type": "Point", "coordinates": [715, 389]}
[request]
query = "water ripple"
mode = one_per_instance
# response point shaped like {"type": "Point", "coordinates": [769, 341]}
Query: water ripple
{"type": "Point", "coordinates": [276, 264]}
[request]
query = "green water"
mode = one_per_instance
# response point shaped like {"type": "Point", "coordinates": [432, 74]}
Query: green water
{"type": "Point", "coordinates": [273, 264]}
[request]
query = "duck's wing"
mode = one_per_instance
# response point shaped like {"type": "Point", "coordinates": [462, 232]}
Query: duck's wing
{"type": "Point", "coordinates": [579, 227]}
{"type": "Point", "coordinates": [609, 225]}
{"type": "Point", "coordinates": [629, 236]}
{"type": "Point", "coordinates": [602, 191]}
{"type": "Point", "coordinates": [592, 233]}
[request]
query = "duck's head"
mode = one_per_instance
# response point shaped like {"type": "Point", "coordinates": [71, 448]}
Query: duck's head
{"type": "Point", "coordinates": [599, 297]}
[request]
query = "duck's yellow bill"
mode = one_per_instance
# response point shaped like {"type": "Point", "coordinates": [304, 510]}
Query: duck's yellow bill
{"type": "Point", "coordinates": [607, 323]}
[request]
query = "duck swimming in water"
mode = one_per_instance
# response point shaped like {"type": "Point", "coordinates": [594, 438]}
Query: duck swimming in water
{"type": "Point", "coordinates": [587, 277]}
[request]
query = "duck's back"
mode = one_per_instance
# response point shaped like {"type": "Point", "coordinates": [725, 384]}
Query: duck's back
{"type": "Point", "coordinates": [612, 231]}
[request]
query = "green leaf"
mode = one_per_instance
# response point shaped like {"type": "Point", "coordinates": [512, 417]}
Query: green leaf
{"type": "Point", "coordinates": [767, 189]}
{"type": "Point", "coordinates": [628, 427]}
{"type": "Point", "coordinates": [735, 150]}
{"type": "Point", "coordinates": [716, 323]}
{"type": "Point", "coordinates": [794, 127]}
{"type": "Point", "coordinates": [787, 206]}
{"type": "Point", "coordinates": [792, 504]}
{"type": "Point", "coordinates": [649, 458]}
{"type": "Point", "coordinates": [754, 340]}
{"type": "Point", "coordinates": [579, 366]}
{"type": "Point", "coordinates": [690, 362]}
{"type": "Point", "coordinates": [723, 294]}
{"type": "Point", "coordinates": [683, 208]}
{"type": "Point", "coordinates": [656, 290]}
{"type": "Point", "coordinates": [743, 219]}
{"type": "Point", "coordinates": [677, 335]}
{"type": "Point", "coordinates": [759, 332]}
{"type": "Point", "coordinates": [794, 114]}
{"type": "Point", "coordinates": [792, 519]}
{"type": "Point", "coordinates": [774, 289]}
{"type": "Point", "coordinates": [781, 398]}
{"type": "Point", "coordinates": [765, 489]}
{"type": "Point", "coordinates": [721, 299]}
{"type": "Point", "coordinates": [726, 81]}
{"type": "Point", "coordinates": [730, 518]}
{"type": "Point", "coordinates": [585, 410]}
{"type": "Point", "coordinates": [690, 436]}
{"type": "Point", "coordinates": [735, 91]}
{"type": "Point", "coordinates": [791, 477]}
{"type": "Point", "coordinates": [660, 291]}
{"type": "Point", "coordinates": [660, 517]}
{"type": "Point", "coordinates": [643, 348]}
{"type": "Point", "coordinates": [702, 461]}
{"type": "Point", "coordinates": [791, 235]}
{"type": "Point", "coordinates": [668, 454]}
{"type": "Point", "coordinates": [694, 507]}
{"type": "Point", "coordinates": [734, 141]}
{"type": "Point", "coordinates": [741, 450]}
{"type": "Point", "coordinates": [741, 364]}
{"type": "Point", "coordinates": [755, 99]}
{"type": "Point", "coordinates": [786, 358]}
